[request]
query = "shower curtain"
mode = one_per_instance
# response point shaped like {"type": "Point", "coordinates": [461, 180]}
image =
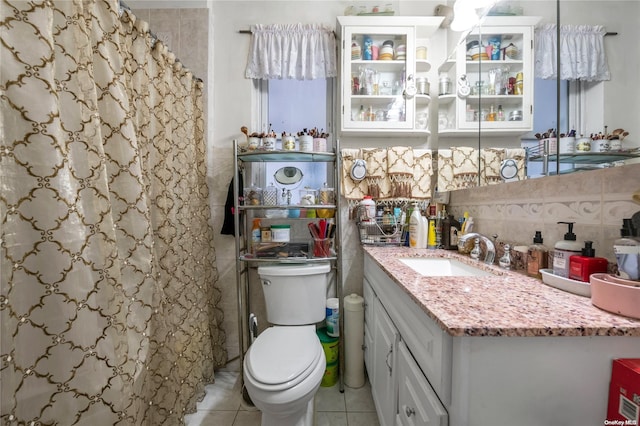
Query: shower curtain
{"type": "Point", "coordinates": [109, 307]}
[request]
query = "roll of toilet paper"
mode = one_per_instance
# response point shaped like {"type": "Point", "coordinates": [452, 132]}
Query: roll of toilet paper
{"type": "Point", "coordinates": [353, 341]}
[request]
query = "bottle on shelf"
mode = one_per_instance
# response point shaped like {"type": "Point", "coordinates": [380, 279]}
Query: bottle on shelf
{"type": "Point", "coordinates": [255, 236]}
{"type": "Point", "coordinates": [361, 114]}
{"type": "Point", "coordinates": [500, 114]}
{"type": "Point", "coordinates": [492, 114]}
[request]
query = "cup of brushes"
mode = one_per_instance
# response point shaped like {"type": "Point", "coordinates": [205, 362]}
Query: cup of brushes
{"type": "Point", "coordinates": [322, 233]}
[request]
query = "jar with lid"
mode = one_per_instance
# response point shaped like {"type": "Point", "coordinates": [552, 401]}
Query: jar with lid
{"type": "Point", "coordinates": [326, 196]}
{"type": "Point", "coordinates": [422, 85]}
{"type": "Point", "coordinates": [252, 195]}
{"type": "Point", "coordinates": [270, 195]}
{"type": "Point", "coordinates": [444, 85]}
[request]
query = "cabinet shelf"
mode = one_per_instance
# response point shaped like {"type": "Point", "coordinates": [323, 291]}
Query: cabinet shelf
{"type": "Point", "coordinates": [279, 156]}
{"type": "Point", "coordinates": [291, 207]}
{"type": "Point", "coordinates": [589, 157]}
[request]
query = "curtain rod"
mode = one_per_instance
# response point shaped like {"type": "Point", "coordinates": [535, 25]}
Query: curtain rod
{"type": "Point", "coordinates": [249, 32]}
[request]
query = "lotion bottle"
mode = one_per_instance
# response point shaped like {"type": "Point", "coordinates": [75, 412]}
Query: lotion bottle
{"type": "Point", "coordinates": [581, 267]}
{"type": "Point", "coordinates": [415, 222]}
{"type": "Point", "coordinates": [563, 250]}
{"type": "Point", "coordinates": [424, 231]}
{"type": "Point", "coordinates": [537, 256]}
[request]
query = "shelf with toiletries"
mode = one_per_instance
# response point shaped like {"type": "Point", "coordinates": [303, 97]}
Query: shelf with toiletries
{"type": "Point", "coordinates": [385, 74]}
{"type": "Point", "coordinates": [490, 85]}
{"type": "Point", "coordinates": [286, 212]}
{"type": "Point", "coordinates": [289, 190]}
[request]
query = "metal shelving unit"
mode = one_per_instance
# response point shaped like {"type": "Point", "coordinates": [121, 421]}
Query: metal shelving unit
{"type": "Point", "coordinates": [245, 261]}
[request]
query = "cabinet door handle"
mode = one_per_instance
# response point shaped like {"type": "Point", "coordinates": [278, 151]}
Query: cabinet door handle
{"type": "Point", "coordinates": [266, 282]}
{"type": "Point", "coordinates": [409, 411]}
{"type": "Point", "coordinates": [364, 347]}
{"type": "Point", "coordinates": [387, 359]}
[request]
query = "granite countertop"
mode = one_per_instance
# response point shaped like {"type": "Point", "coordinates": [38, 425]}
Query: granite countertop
{"type": "Point", "coordinates": [507, 304]}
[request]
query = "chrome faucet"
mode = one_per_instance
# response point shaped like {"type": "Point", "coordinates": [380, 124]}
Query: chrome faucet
{"type": "Point", "coordinates": [490, 247]}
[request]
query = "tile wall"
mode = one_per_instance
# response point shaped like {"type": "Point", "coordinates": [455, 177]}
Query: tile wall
{"type": "Point", "coordinates": [596, 200]}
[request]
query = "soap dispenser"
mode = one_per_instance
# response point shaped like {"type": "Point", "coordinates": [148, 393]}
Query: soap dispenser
{"type": "Point", "coordinates": [581, 267]}
{"type": "Point", "coordinates": [564, 249]}
{"type": "Point", "coordinates": [537, 256]}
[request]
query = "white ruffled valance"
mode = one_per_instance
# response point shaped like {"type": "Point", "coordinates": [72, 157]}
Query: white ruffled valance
{"type": "Point", "coordinates": [582, 55]}
{"type": "Point", "coordinates": [293, 51]}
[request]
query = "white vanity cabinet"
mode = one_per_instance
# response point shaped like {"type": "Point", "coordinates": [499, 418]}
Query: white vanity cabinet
{"type": "Point", "coordinates": [471, 379]}
{"type": "Point", "coordinates": [378, 91]}
{"type": "Point", "coordinates": [499, 98]}
{"type": "Point", "coordinates": [400, 390]}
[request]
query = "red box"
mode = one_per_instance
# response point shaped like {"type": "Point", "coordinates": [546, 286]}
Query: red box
{"type": "Point", "coordinates": [624, 392]}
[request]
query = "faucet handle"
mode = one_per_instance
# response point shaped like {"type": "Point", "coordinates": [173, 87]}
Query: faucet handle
{"type": "Point", "coordinates": [475, 253]}
{"type": "Point", "coordinates": [505, 260]}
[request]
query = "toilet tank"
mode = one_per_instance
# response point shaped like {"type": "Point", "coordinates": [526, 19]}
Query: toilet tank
{"type": "Point", "coordinates": [295, 294]}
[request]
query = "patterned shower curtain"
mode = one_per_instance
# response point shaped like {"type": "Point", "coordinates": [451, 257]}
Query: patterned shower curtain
{"type": "Point", "coordinates": [109, 306]}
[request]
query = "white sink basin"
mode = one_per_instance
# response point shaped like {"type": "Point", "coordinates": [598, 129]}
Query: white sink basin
{"type": "Point", "coordinates": [442, 267]}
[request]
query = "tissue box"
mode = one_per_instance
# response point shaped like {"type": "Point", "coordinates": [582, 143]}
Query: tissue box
{"type": "Point", "coordinates": [624, 392]}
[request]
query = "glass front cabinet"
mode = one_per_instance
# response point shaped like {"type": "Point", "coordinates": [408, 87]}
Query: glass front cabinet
{"type": "Point", "coordinates": [488, 83]}
{"type": "Point", "coordinates": [383, 73]}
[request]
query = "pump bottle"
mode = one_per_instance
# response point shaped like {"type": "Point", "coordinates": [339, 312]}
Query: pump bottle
{"type": "Point", "coordinates": [581, 267]}
{"type": "Point", "coordinates": [537, 256]}
{"type": "Point", "coordinates": [563, 250]}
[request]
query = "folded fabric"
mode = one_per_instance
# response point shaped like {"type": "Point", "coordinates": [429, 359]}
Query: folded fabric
{"type": "Point", "coordinates": [490, 163]}
{"type": "Point", "coordinates": [400, 168]}
{"type": "Point", "coordinates": [445, 170]}
{"type": "Point", "coordinates": [465, 166]}
{"type": "Point", "coordinates": [422, 173]}
{"type": "Point", "coordinates": [520, 156]}
{"type": "Point", "coordinates": [351, 189]}
{"type": "Point", "coordinates": [378, 184]}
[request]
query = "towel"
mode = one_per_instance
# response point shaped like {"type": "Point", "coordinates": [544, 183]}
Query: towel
{"type": "Point", "coordinates": [422, 173]}
{"type": "Point", "coordinates": [465, 166]}
{"type": "Point", "coordinates": [400, 164]}
{"type": "Point", "coordinates": [378, 184]}
{"type": "Point", "coordinates": [520, 155]}
{"type": "Point", "coordinates": [351, 189]}
{"type": "Point", "coordinates": [445, 170]}
{"type": "Point", "coordinates": [228, 227]}
{"type": "Point", "coordinates": [490, 162]}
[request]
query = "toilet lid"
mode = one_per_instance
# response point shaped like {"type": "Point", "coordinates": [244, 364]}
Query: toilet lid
{"type": "Point", "coordinates": [284, 354]}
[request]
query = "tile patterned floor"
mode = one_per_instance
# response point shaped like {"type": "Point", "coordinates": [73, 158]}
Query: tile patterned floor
{"type": "Point", "coordinates": [223, 406]}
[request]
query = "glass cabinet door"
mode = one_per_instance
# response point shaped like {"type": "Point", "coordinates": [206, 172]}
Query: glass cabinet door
{"type": "Point", "coordinates": [378, 78]}
{"type": "Point", "coordinates": [499, 73]}
{"type": "Point", "coordinates": [490, 81]}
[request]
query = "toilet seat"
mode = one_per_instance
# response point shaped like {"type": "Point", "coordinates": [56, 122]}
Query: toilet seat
{"type": "Point", "coordinates": [282, 357]}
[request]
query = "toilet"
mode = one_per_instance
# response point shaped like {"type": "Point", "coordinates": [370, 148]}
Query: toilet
{"type": "Point", "coordinates": [284, 366]}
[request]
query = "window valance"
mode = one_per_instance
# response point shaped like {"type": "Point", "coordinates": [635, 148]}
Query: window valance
{"type": "Point", "coordinates": [293, 51]}
{"type": "Point", "coordinates": [582, 55]}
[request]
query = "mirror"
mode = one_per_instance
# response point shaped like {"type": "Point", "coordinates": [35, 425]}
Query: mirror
{"type": "Point", "coordinates": [586, 107]}
{"type": "Point", "coordinates": [288, 175]}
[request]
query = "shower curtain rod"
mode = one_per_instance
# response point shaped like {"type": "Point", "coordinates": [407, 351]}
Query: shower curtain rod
{"type": "Point", "coordinates": [249, 32]}
{"type": "Point", "coordinates": [124, 6]}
